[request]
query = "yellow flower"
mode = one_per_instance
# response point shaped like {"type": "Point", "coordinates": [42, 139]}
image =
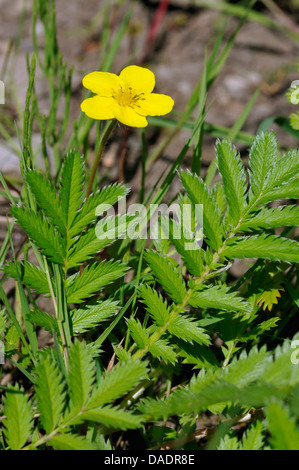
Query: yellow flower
{"type": "Point", "coordinates": [127, 97]}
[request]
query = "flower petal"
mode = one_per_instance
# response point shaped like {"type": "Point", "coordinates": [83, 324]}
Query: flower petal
{"type": "Point", "coordinates": [99, 107]}
{"type": "Point", "coordinates": [139, 78]}
{"type": "Point", "coordinates": [101, 83]}
{"type": "Point", "coordinates": [128, 116]}
{"type": "Point", "coordinates": [155, 105]}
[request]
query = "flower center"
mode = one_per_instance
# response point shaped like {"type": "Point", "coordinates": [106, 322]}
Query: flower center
{"type": "Point", "coordinates": [126, 96]}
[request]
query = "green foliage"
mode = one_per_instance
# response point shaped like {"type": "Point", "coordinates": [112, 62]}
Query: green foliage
{"type": "Point", "coordinates": [117, 382]}
{"type": "Point", "coordinates": [161, 350]}
{"type": "Point", "coordinates": [49, 393]}
{"type": "Point", "coordinates": [3, 321]}
{"type": "Point", "coordinates": [31, 275]}
{"type": "Point", "coordinates": [108, 195]}
{"type": "Point", "coordinates": [271, 218]}
{"type": "Point", "coordinates": [263, 246]}
{"type": "Point", "coordinates": [113, 417]}
{"type": "Point", "coordinates": [93, 278]}
{"type": "Point", "coordinates": [72, 442]}
{"type": "Point", "coordinates": [18, 418]}
{"type": "Point", "coordinates": [43, 320]}
{"type": "Point", "coordinates": [263, 156]}
{"type": "Point", "coordinates": [238, 384]}
{"type": "Point", "coordinates": [81, 376]}
{"type": "Point", "coordinates": [188, 330]}
{"type": "Point", "coordinates": [283, 429]}
{"type": "Point", "coordinates": [45, 195]}
{"type": "Point", "coordinates": [63, 402]}
{"type": "Point", "coordinates": [55, 226]}
{"type": "Point", "coordinates": [87, 317]}
{"type": "Point", "coordinates": [253, 439]}
{"type": "Point", "coordinates": [168, 275]}
{"type": "Point", "coordinates": [41, 232]}
{"type": "Point", "coordinates": [156, 306]}
{"type": "Point", "coordinates": [193, 259]}
{"type": "Point", "coordinates": [219, 298]}
{"type": "Point", "coordinates": [139, 332]}
{"type": "Point", "coordinates": [199, 194]}
{"type": "Point", "coordinates": [186, 298]}
{"type": "Point", "coordinates": [234, 179]}
{"type": "Point", "coordinates": [71, 187]}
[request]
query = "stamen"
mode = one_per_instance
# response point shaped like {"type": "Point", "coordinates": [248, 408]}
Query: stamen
{"type": "Point", "coordinates": [126, 96]}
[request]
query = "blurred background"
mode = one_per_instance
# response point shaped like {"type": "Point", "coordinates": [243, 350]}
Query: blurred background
{"type": "Point", "coordinates": [169, 37]}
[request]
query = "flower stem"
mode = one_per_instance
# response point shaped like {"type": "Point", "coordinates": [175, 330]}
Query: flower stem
{"type": "Point", "coordinates": [105, 137]}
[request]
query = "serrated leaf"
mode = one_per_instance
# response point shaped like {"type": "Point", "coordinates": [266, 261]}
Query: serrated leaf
{"type": "Point", "coordinates": [269, 218]}
{"type": "Point", "coordinates": [286, 168]}
{"type": "Point", "coordinates": [81, 376]}
{"type": "Point", "coordinates": [209, 388]}
{"type": "Point", "coordinates": [91, 315]}
{"type": "Point", "coordinates": [161, 350]}
{"type": "Point", "coordinates": [44, 320]}
{"type": "Point", "coordinates": [220, 298]}
{"type": "Point", "coordinates": [212, 220]}
{"type": "Point", "coordinates": [191, 253]}
{"type": "Point", "coordinates": [252, 380]}
{"type": "Point", "coordinates": [234, 179]}
{"type": "Point", "coordinates": [110, 228]}
{"type": "Point", "coordinates": [113, 417]}
{"type": "Point", "coordinates": [156, 307]}
{"type": "Point", "coordinates": [228, 443]}
{"type": "Point", "coordinates": [253, 438]}
{"type": "Point", "coordinates": [95, 239]}
{"type": "Point", "coordinates": [199, 356]}
{"type": "Point", "coordinates": [289, 190]}
{"type": "Point", "coordinates": [50, 393]}
{"type": "Point", "coordinates": [266, 285]}
{"type": "Point", "coordinates": [263, 155]}
{"type": "Point", "coordinates": [168, 276]}
{"type": "Point", "coordinates": [269, 298]}
{"type": "Point", "coordinates": [31, 275]}
{"type": "Point", "coordinates": [247, 368]}
{"type": "Point", "coordinates": [41, 233]}
{"type": "Point", "coordinates": [71, 186]}
{"type": "Point", "coordinates": [219, 195]}
{"type": "Point", "coordinates": [72, 442]}
{"type": "Point", "coordinates": [84, 248]}
{"type": "Point", "coordinates": [263, 246]}
{"type": "Point", "coordinates": [93, 278]}
{"type": "Point", "coordinates": [108, 195]}
{"type": "Point", "coordinates": [117, 382]}
{"type": "Point", "coordinates": [139, 334]}
{"type": "Point", "coordinates": [259, 329]}
{"type": "Point", "coordinates": [283, 430]}
{"type": "Point", "coordinates": [45, 194]}
{"type": "Point", "coordinates": [188, 330]}
{"type": "Point", "coordinates": [19, 418]}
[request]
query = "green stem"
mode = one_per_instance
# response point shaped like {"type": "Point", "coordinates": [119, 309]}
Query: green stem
{"type": "Point", "coordinates": [229, 354]}
{"type": "Point", "coordinates": [106, 134]}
